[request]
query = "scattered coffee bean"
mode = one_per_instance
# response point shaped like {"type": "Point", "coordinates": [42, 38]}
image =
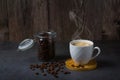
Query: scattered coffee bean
{"type": "Point", "coordinates": [53, 68]}
{"type": "Point", "coordinates": [36, 73]}
{"type": "Point", "coordinates": [56, 76]}
{"type": "Point", "coordinates": [62, 67]}
{"type": "Point", "coordinates": [73, 65]}
{"type": "Point", "coordinates": [62, 71]}
{"type": "Point", "coordinates": [44, 74]}
{"type": "Point", "coordinates": [66, 72]}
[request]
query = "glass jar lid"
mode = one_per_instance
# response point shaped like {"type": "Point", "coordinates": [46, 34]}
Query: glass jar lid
{"type": "Point", "coordinates": [26, 44]}
{"type": "Point", "coordinates": [45, 35]}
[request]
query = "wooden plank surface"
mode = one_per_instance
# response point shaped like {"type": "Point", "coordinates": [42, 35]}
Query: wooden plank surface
{"type": "Point", "coordinates": [20, 19]}
{"type": "Point", "coordinates": [40, 17]}
{"type": "Point", "coordinates": [3, 21]}
{"type": "Point", "coordinates": [59, 19]}
{"type": "Point", "coordinates": [94, 18]}
{"type": "Point", "coordinates": [111, 20]}
{"type": "Point", "coordinates": [23, 18]}
{"type": "Point", "coordinates": [61, 23]}
{"type": "Point", "coordinates": [26, 17]}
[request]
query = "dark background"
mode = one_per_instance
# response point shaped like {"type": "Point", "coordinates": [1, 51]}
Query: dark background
{"type": "Point", "coordinates": [20, 19]}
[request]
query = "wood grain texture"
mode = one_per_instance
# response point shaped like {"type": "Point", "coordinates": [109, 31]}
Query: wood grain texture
{"type": "Point", "coordinates": [94, 18]}
{"type": "Point", "coordinates": [59, 19]}
{"type": "Point", "coordinates": [26, 17]}
{"type": "Point", "coordinates": [20, 19]}
{"type": "Point", "coordinates": [40, 16]}
{"type": "Point", "coordinates": [111, 19]}
{"type": "Point", "coordinates": [3, 20]}
{"type": "Point", "coordinates": [61, 23]}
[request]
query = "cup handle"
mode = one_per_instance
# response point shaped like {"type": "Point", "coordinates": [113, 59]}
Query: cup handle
{"type": "Point", "coordinates": [96, 53]}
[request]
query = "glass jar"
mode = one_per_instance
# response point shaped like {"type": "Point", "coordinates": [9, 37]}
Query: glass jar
{"type": "Point", "coordinates": [46, 45]}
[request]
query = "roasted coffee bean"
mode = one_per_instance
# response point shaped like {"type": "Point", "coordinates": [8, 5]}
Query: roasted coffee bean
{"type": "Point", "coordinates": [36, 73]}
{"type": "Point", "coordinates": [53, 68]}
{"type": "Point", "coordinates": [62, 67]}
{"type": "Point", "coordinates": [73, 65]}
{"type": "Point", "coordinates": [31, 67]}
{"type": "Point", "coordinates": [42, 70]}
{"type": "Point", "coordinates": [58, 70]}
{"type": "Point", "coordinates": [44, 74]}
{"type": "Point", "coordinates": [52, 72]}
{"type": "Point", "coordinates": [56, 76]}
{"type": "Point", "coordinates": [81, 66]}
{"type": "Point", "coordinates": [66, 72]}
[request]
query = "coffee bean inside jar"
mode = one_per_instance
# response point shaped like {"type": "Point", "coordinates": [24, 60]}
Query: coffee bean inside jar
{"type": "Point", "coordinates": [46, 46]}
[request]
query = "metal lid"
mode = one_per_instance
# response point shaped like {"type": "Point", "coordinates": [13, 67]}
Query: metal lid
{"type": "Point", "coordinates": [45, 34]}
{"type": "Point", "coordinates": [26, 44]}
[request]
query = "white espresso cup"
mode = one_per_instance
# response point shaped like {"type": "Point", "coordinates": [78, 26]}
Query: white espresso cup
{"type": "Point", "coordinates": [81, 51]}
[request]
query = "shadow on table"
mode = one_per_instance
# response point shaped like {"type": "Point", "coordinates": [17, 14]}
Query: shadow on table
{"type": "Point", "coordinates": [59, 58]}
{"type": "Point", "coordinates": [105, 64]}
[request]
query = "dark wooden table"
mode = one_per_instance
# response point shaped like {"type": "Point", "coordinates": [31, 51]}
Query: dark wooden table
{"type": "Point", "coordinates": [14, 65]}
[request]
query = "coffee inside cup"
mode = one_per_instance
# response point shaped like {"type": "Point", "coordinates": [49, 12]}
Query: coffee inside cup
{"type": "Point", "coordinates": [81, 44]}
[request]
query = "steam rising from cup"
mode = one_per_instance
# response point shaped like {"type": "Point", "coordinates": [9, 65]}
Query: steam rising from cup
{"type": "Point", "coordinates": [80, 23]}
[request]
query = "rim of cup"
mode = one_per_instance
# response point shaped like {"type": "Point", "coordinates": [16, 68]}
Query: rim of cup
{"type": "Point", "coordinates": [81, 40]}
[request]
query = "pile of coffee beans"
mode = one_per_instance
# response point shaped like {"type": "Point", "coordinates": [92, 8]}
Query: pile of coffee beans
{"type": "Point", "coordinates": [46, 47]}
{"type": "Point", "coordinates": [50, 68]}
